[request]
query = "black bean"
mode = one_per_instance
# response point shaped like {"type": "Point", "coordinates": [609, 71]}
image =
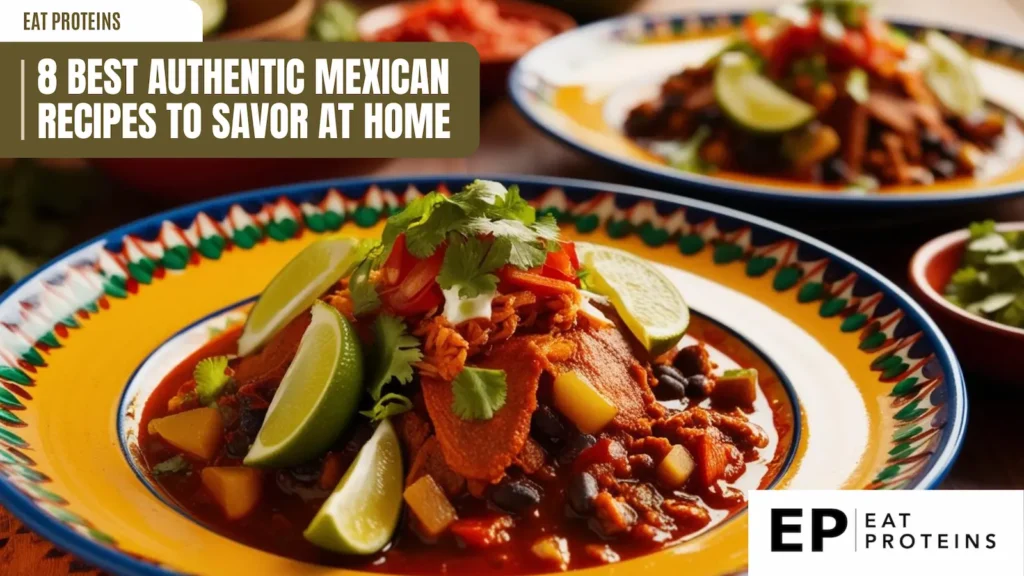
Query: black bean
{"type": "Point", "coordinates": [698, 386]}
{"type": "Point", "coordinates": [251, 422]}
{"type": "Point", "coordinates": [583, 489]}
{"type": "Point", "coordinates": [547, 427]}
{"type": "Point", "coordinates": [668, 370]}
{"type": "Point", "coordinates": [237, 445]}
{"type": "Point", "coordinates": [690, 360]}
{"type": "Point", "coordinates": [308, 472]}
{"type": "Point", "coordinates": [671, 383]}
{"type": "Point", "coordinates": [574, 447]}
{"type": "Point", "coordinates": [515, 496]}
{"type": "Point", "coordinates": [944, 168]}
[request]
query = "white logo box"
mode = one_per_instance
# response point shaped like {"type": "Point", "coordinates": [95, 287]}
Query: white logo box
{"type": "Point", "coordinates": [905, 533]}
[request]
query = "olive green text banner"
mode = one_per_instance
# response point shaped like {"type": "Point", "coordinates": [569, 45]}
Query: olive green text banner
{"type": "Point", "coordinates": [239, 99]}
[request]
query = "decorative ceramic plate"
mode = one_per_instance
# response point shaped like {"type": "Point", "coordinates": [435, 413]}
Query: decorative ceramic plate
{"type": "Point", "coordinates": [580, 86]}
{"type": "Point", "coordinates": [868, 394]}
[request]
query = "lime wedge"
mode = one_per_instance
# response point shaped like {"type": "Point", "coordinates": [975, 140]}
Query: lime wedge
{"type": "Point", "coordinates": [753, 101]}
{"type": "Point", "coordinates": [317, 397]}
{"type": "Point", "coordinates": [648, 302]}
{"type": "Point", "coordinates": [362, 513]}
{"type": "Point", "coordinates": [295, 288]}
{"type": "Point", "coordinates": [214, 12]}
{"type": "Point", "coordinates": [950, 75]}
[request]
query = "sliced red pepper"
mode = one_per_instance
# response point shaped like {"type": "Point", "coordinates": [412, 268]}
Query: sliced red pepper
{"type": "Point", "coordinates": [398, 264]}
{"type": "Point", "coordinates": [558, 265]}
{"type": "Point", "coordinates": [570, 249]}
{"type": "Point", "coordinates": [535, 283]}
{"type": "Point", "coordinates": [418, 291]}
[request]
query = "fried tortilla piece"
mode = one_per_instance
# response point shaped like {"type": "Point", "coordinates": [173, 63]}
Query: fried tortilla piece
{"type": "Point", "coordinates": [429, 461]}
{"type": "Point", "coordinates": [483, 449]}
{"type": "Point", "coordinates": [606, 359]}
{"type": "Point", "coordinates": [269, 365]}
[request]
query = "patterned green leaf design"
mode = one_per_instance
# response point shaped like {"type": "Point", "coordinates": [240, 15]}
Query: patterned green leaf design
{"type": "Point", "coordinates": [15, 375]}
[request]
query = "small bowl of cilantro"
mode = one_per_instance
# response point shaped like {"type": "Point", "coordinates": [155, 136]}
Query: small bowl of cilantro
{"type": "Point", "coordinates": [972, 281]}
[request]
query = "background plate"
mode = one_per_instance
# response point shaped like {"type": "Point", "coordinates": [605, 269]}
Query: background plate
{"type": "Point", "coordinates": [579, 86]}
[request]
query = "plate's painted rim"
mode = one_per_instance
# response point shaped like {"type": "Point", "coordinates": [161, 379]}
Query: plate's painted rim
{"type": "Point", "coordinates": [109, 558]}
{"type": "Point", "coordinates": [520, 93]}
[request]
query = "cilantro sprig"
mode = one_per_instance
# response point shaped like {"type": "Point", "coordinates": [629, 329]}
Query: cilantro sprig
{"type": "Point", "coordinates": [365, 299]}
{"type": "Point", "coordinates": [483, 209]}
{"type": "Point", "coordinates": [477, 393]}
{"type": "Point", "coordinates": [395, 352]}
{"type": "Point", "coordinates": [470, 263]}
{"type": "Point", "coordinates": [211, 376]}
{"type": "Point", "coordinates": [389, 405]}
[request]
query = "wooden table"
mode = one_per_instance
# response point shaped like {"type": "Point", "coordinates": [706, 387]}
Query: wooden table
{"type": "Point", "coordinates": [993, 455]}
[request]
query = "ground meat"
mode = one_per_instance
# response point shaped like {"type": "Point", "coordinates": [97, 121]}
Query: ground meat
{"type": "Point", "coordinates": [612, 516]}
{"type": "Point", "coordinates": [737, 428]}
{"type": "Point", "coordinates": [686, 513]}
{"type": "Point", "coordinates": [694, 360]}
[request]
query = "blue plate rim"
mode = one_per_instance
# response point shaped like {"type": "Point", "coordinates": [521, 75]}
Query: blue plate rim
{"type": "Point", "coordinates": [755, 192]}
{"type": "Point", "coordinates": [111, 559]}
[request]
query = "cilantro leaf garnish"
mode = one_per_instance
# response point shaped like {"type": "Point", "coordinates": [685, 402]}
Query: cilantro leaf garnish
{"type": "Point", "coordinates": [513, 206]}
{"type": "Point", "coordinates": [469, 263]}
{"type": "Point", "coordinates": [364, 294]}
{"type": "Point", "coordinates": [528, 245]}
{"type": "Point", "coordinates": [483, 228]}
{"type": "Point", "coordinates": [479, 195]}
{"type": "Point", "coordinates": [981, 229]}
{"type": "Point", "coordinates": [211, 377]}
{"type": "Point", "coordinates": [423, 239]}
{"type": "Point", "coordinates": [482, 208]}
{"type": "Point", "coordinates": [415, 213]}
{"type": "Point", "coordinates": [388, 406]}
{"type": "Point", "coordinates": [478, 393]}
{"type": "Point", "coordinates": [396, 352]}
{"type": "Point", "coordinates": [172, 465]}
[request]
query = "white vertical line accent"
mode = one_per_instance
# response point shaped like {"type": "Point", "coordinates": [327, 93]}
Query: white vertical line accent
{"type": "Point", "coordinates": [22, 100]}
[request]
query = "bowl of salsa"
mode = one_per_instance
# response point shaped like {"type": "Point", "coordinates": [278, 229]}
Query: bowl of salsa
{"type": "Point", "coordinates": [500, 30]}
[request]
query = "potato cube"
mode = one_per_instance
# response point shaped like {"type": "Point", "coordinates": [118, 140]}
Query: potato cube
{"type": "Point", "coordinates": [430, 506]}
{"type": "Point", "coordinates": [736, 388]}
{"type": "Point", "coordinates": [236, 489]}
{"type": "Point", "coordinates": [553, 549]}
{"type": "Point", "coordinates": [578, 400]}
{"type": "Point", "coordinates": [675, 468]}
{"type": "Point", "coordinates": [197, 432]}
